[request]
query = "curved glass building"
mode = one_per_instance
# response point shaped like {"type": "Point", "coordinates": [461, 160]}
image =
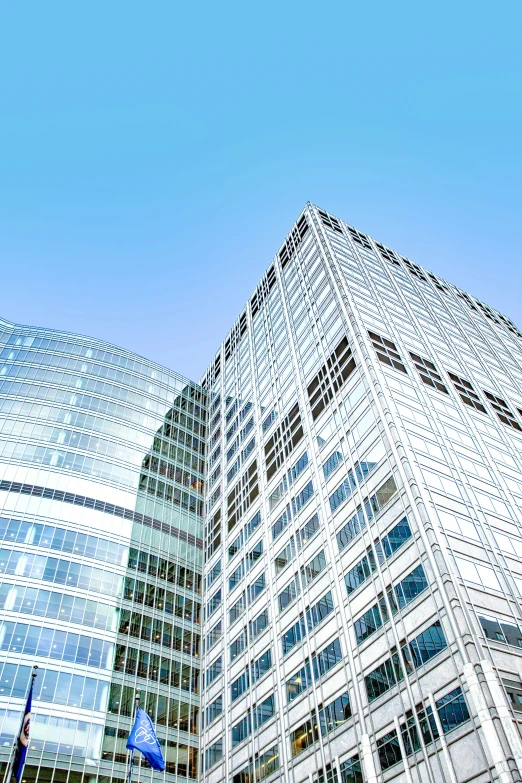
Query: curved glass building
{"type": "Point", "coordinates": [101, 507]}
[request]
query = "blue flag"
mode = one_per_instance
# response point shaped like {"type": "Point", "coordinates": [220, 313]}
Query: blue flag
{"type": "Point", "coordinates": [23, 738]}
{"type": "Point", "coordinates": [143, 738]}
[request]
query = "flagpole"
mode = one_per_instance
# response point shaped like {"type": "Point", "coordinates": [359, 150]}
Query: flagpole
{"type": "Point", "coordinates": [131, 758]}
{"type": "Point", "coordinates": [9, 770]}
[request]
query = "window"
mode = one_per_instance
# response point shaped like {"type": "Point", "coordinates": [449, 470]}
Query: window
{"type": "Point", "coordinates": [283, 441]}
{"type": "Point", "coordinates": [245, 453]}
{"type": "Point", "coordinates": [235, 335]}
{"type": "Point", "coordinates": [244, 535]}
{"type": "Point", "coordinates": [269, 420]}
{"type": "Point", "coordinates": [242, 730]}
{"type": "Point", "coordinates": [254, 555]}
{"type": "Point", "coordinates": [424, 646]}
{"type": "Point", "coordinates": [300, 501]}
{"type": "Point", "coordinates": [214, 710]}
{"type": "Point", "coordinates": [213, 636]}
{"type": "Point", "coordinates": [251, 675]}
{"type": "Point", "coordinates": [243, 495]}
{"type": "Point", "coordinates": [247, 597]}
{"type": "Point", "coordinates": [288, 594]}
{"type": "Point", "coordinates": [360, 238]}
{"type": "Point", "coordinates": [452, 709]}
{"type": "Point", "coordinates": [308, 530]}
{"type": "Point", "coordinates": [360, 572]}
{"type": "Point", "coordinates": [256, 588]}
{"type": "Point", "coordinates": [502, 410]}
{"type": "Point", "coordinates": [370, 621]}
{"type": "Point", "coordinates": [428, 373]}
{"type": "Point", "coordinates": [428, 725]}
{"type": "Point", "coordinates": [384, 494]}
{"type": "Point", "coordinates": [314, 616]}
{"type": "Point", "coordinates": [265, 765]}
{"type": "Point", "coordinates": [410, 587]}
{"type": "Point", "coordinates": [213, 754]}
{"type": "Point", "coordinates": [501, 631]}
{"type": "Point", "coordinates": [332, 463]}
{"type": "Point", "coordinates": [213, 535]}
{"type": "Point", "coordinates": [263, 712]}
{"type": "Point", "coordinates": [280, 523]}
{"type": "Point", "coordinates": [330, 221]}
{"type": "Point", "coordinates": [399, 596]}
{"type": "Point", "coordinates": [287, 480]}
{"type": "Point", "coordinates": [330, 378]}
{"type": "Point", "coordinates": [322, 662]}
{"type": "Point", "coordinates": [304, 736]}
{"type": "Point", "coordinates": [387, 254]}
{"type": "Point", "coordinates": [383, 677]}
{"type": "Point", "coordinates": [213, 604]}
{"type": "Point", "coordinates": [293, 240]}
{"type": "Point", "coordinates": [351, 529]}
{"type": "Point", "coordinates": [327, 430]}
{"type": "Point", "coordinates": [327, 774]}
{"type": "Point", "coordinates": [478, 572]}
{"type": "Point", "coordinates": [258, 625]}
{"type": "Point", "coordinates": [414, 269]}
{"type": "Point", "coordinates": [245, 775]}
{"type": "Point", "coordinates": [410, 736]}
{"type": "Point", "coordinates": [238, 645]}
{"type": "Point", "coordinates": [387, 352]}
{"type": "Point", "coordinates": [299, 682]}
{"type": "Point", "coordinates": [237, 609]}
{"type": "Point", "coordinates": [239, 686]}
{"type": "Point", "coordinates": [393, 540]}
{"type": "Point", "coordinates": [236, 576]}
{"type": "Point", "coordinates": [514, 694]}
{"type": "Point", "coordinates": [285, 556]}
{"type": "Point", "coordinates": [319, 611]}
{"type": "Point", "coordinates": [293, 636]}
{"type": "Point", "coordinates": [213, 573]}
{"type": "Point", "coordinates": [214, 670]}
{"type": "Point", "coordinates": [343, 492]}
{"type": "Point", "coordinates": [296, 470]}
{"type": "Point", "coordinates": [278, 493]}
{"type": "Point", "coordinates": [334, 714]}
{"type": "Point", "coordinates": [389, 750]}
{"type": "Point", "coordinates": [313, 569]}
{"type": "Point", "coordinates": [326, 659]}
{"type": "Point", "coordinates": [360, 473]}
{"type": "Point", "coordinates": [262, 291]}
{"type": "Point", "coordinates": [466, 392]}
{"type": "Point", "coordinates": [254, 718]}
{"type": "Point", "coordinates": [351, 771]}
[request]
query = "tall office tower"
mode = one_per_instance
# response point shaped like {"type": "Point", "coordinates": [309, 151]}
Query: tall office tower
{"type": "Point", "coordinates": [101, 491]}
{"type": "Point", "coordinates": [363, 575]}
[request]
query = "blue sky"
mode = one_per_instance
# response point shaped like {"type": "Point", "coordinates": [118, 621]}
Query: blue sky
{"type": "Point", "coordinates": [154, 155]}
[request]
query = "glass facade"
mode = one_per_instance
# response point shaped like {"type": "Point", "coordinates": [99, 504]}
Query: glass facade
{"type": "Point", "coordinates": [309, 564]}
{"type": "Point", "coordinates": [101, 535]}
{"type": "Point", "coordinates": [365, 439]}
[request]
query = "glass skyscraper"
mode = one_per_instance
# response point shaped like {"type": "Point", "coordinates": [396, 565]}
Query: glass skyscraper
{"type": "Point", "coordinates": [309, 564]}
{"type": "Point", "coordinates": [101, 526]}
{"type": "Point", "coordinates": [363, 574]}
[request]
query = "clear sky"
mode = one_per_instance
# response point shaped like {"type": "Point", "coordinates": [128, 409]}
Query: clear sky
{"type": "Point", "coordinates": [154, 155]}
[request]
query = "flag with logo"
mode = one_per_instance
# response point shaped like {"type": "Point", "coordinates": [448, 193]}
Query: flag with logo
{"type": "Point", "coordinates": [23, 738]}
{"type": "Point", "coordinates": [143, 738]}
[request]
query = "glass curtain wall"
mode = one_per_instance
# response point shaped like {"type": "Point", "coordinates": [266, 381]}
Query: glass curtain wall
{"type": "Point", "coordinates": [101, 504]}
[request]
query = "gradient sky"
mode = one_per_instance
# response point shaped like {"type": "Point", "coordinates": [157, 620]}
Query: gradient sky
{"type": "Point", "coordinates": [154, 155]}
